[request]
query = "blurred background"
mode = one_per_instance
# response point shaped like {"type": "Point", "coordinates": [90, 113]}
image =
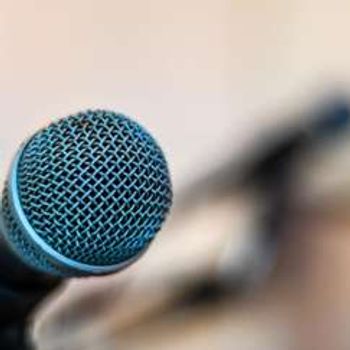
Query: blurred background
{"type": "Point", "coordinates": [249, 100]}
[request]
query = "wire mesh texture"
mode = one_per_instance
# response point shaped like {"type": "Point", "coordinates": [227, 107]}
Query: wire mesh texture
{"type": "Point", "coordinates": [94, 186]}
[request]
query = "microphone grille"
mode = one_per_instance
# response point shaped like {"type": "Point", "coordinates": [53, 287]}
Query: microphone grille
{"type": "Point", "coordinates": [95, 187]}
{"type": "Point", "coordinates": [24, 247]}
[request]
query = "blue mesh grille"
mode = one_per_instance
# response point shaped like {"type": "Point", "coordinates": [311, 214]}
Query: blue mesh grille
{"type": "Point", "coordinates": [23, 247]}
{"type": "Point", "coordinates": [95, 187]}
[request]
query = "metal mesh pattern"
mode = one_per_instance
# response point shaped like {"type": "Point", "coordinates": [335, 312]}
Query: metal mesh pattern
{"type": "Point", "coordinates": [23, 246]}
{"type": "Point", "coordinates": [95, 187]}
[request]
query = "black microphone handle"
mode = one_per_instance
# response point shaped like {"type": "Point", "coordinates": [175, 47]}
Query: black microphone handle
{"type": "Point", "coordinates": [21, 290]}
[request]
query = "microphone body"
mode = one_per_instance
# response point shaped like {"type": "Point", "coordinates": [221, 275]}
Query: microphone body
{"type": "Point", "coordinates": [21, 290]}
{"type": "Point", "coordinates": [84, 197]}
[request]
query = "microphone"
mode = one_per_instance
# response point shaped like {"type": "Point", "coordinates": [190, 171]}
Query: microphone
{"type": "Point", "coordinates": [86, 195]}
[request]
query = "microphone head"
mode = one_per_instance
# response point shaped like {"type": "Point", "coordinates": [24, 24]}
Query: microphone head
{"type": "Point", "coordinates": [86, 195]}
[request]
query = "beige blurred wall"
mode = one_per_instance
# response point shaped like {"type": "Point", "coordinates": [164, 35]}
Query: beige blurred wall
{"type": "Point", "coordinates": [205, 76]}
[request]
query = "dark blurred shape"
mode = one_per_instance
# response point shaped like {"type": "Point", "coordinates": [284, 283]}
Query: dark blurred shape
{"type": "Point", "coordinates": [333, 118]}
{"type": "Point", "coordinates": [269, 169]}
{"type": "Point", "coordinates": [270, 164]}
